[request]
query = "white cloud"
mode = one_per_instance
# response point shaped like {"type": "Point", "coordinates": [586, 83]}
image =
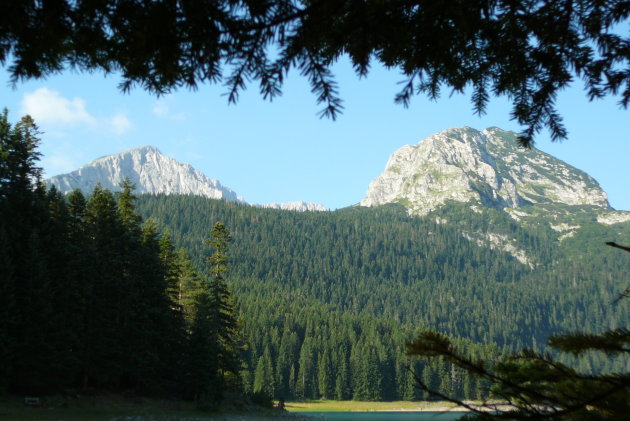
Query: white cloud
{"type": "Point", "coordinates": [120, 124]}
{"type": "Point", "coordinates": [49, 107]}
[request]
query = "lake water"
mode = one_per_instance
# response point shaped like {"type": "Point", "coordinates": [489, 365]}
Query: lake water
{"type": "Point", "coordinates": [386, 416]}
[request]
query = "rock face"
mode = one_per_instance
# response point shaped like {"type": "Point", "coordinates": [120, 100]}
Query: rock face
{"type": "Point", "coordinates": [153, 172]}
{"type": "Point", "coordinates": [149, 169]}
{"type": "Point", "coordinates": [485, 168]}
{"type": "Point", "coordinates": [299, 206]}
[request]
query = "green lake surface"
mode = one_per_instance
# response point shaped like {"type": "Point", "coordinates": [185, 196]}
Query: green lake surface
{"type": "Point", "coordinates": [386, 416]}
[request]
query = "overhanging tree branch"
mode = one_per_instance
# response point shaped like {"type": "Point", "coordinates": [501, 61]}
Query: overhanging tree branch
{"type": "Point", "coordinates": [526, 50]}
{"type": "Point", "coordinates": [536, 386]}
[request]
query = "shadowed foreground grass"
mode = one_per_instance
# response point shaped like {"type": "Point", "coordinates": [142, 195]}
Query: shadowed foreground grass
{"type": "Point", "coordinates": [119, 408]}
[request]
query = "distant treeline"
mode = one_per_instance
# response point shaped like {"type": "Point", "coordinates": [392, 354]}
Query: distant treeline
{"type": "Point", "coordinates": [331, 298]}
{"type": "Point", "coordinates": [93, 297]}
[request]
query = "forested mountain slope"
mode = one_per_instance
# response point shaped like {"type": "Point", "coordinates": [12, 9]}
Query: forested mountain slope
{"type": "Point", "coordinates": [330, 298]}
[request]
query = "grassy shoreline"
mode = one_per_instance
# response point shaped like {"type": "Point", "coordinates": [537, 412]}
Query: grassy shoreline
{"type": "Point", "coordinates": [122, 408]}
{"type": "Point", "coordinates": [356, 406]}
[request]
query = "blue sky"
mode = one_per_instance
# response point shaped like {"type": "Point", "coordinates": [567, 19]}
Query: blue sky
{"type": "Point", "coordinates": [281, 151]}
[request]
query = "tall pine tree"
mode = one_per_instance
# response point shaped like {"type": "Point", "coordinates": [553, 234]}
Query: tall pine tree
{"type": "Point", "coordinates": [225, 327]}
{"type": "Point", "coordinates": [214, 361]}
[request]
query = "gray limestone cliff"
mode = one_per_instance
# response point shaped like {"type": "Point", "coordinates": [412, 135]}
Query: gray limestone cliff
{"type": "Point", "coordinates": [153, 172]}
{"type": "Point", "coordinates": [485, 168]}
{"type": "Point", "coordinates": [299, 206]}
{"type": "Point", "coordinates": [149, 169]}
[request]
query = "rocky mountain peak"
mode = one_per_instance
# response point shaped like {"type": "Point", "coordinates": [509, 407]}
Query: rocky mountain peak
{"type": "Point", "coordinates": [149, 169]}
{"type": "Point", "coordinates": [153, 172]}
{"type": "Point", "coordinates": [482, 167]}
{"type": "Point", "coordinates": [299, 206]}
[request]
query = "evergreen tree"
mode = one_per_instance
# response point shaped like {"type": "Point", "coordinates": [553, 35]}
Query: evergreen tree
{"type": "Point", "coordinates": [202, 365]}
{"type": "Point", "coordinates": [287, 355]}
{"type": "Point", "coordinates": [537, 386]}
{"type": "Point", "coordinates": [213, 345]}
{"type": "Point", "coordinates": [106, 299]}
{"type": "Point", "coordinates": [411, 392]}
{"type": "Point", "coordinates": [93, 297]}
{"type": "Point", "coordinates": [342, 391]}
{"type": "Point", "coordinates": [189, 285]}
{"type": "Point", "coordinates": [263, 376]}
{"type": "Point", "coordinates": [126, 206]}
{"type": "Point", "coordinates": [26, 281]}
{"type": "Point", "coordinates": [325, 375]}
{"type": "Point", "coordinates": [306, 387]}
{"type": "Point", "coordinates": [173, 271]}
{"type": "Point", "coordinates": [225, 326]}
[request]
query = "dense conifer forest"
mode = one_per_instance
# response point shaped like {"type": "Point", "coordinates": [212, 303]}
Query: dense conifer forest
{"type": "Point", "coordinates": [93, 297]}
{"type": "Point", "coordinates": [329, 299]}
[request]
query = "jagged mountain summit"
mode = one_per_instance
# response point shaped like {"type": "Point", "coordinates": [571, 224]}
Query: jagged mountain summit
{"type": "Point", "coordinates": [153, 172]}
{"type": "Point", "coordinates": [150, 170]}
{"type": "Point", "coordinates": [299, 206]}
{"type": "Point", "coordinates": [485, 168]}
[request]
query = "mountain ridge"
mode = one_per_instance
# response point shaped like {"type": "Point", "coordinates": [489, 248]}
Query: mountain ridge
{"type": "Point", "coordinates": [298, 205]}
{"type": "Point", "coordinates": [484, 167]}
{"type": "Point", "coordinates": [487, 172]}
{"type": "Point", "coordinates": [151, 172]}
{"type": "Point", "coordinates": [155, 173]}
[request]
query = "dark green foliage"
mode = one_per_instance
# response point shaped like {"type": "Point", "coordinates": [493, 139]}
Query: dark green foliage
{"type": "Point", "coordinates": [346, 289]}
{"type": "Point", "coordinates": [7, 309]}
{"type": "Point", "coordinates": [93, 297]}
{"type": "Point", "coordinates": [214, 336]}
{"type": "Point", "coordinates": [610, 342]}
{"type": "Point", "coordinates": [28, 322]}
{"type": "Point", "coordinates": [526, 50]}
{"type": "Point", "coordinates": [225, 327]}
{"type": "Point", "coordinates": [202, 366]}
{"type": "Point", "coordinates": [262, 399]}
{"type": "Point", "coordinates": [538, 386]}
{"type": "Point", "coordinates": [263, 375]}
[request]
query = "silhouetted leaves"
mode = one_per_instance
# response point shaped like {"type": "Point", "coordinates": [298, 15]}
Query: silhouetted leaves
{"type": "Point", "coordinates": [528, 50]}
